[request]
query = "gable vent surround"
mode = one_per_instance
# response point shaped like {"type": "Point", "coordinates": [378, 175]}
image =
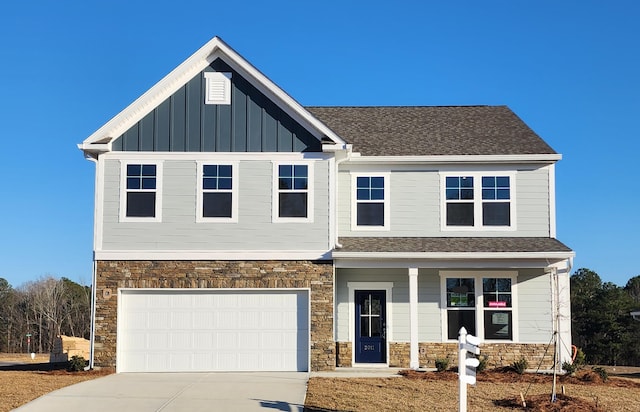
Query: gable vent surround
{"type": "Point", "coordinates": [218, 88]}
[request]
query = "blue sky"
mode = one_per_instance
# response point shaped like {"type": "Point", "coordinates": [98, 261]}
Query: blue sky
{"type": "Point", "coordinates": [569, 69]}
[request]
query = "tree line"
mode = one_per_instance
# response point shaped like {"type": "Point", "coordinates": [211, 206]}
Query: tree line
{"type": "Point", "coordinates": [34, 314]}
{"type": "Point", "coordinates": [601, 321]}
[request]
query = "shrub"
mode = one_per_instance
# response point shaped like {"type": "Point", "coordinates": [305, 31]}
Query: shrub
{"type": "Point", "coordinates": [570, 368]}
{"type": "Point", "coordinates": [602, 372]}
{"type": "Point", "coordinates": [520, 366]}
{"type": "Point", "coordinates": [581, 359]}
{"type": "Point", "coordinates": [442, 364]}
{"type": "Point", "coordinates": [76, 364]}
{"type": "Point", "coordinates": [484, 362]}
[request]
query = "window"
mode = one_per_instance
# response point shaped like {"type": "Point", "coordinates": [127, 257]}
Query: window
{"type": "Point", "coordinates": [293, 195]}
{"type": "Point", "coordinates": [495, 201]}
{"type": "Point", "coordinates": [481, 302]}
{"type": "Point", "coordinates": [371, 202]}
{"type": "Point", "coordinates": [141, 198]}
{"type": "Point", "coordinates": [217, 192]}
{"type": "Point", "coordinates": [498, 315]}
{"type": "Point", "coordinates": [459, 193]}
{"type": "Point", "coordinates": [478, 201]}
{"type": "Point", "coordinates": [370, 199]}
{"type": "Point", "coordinates": [461, 305]}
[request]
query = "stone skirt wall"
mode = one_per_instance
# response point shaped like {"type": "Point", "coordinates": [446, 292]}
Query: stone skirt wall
{"type": "Point", "coordinates": [498, 354]}
{"type": "Point", "coordinates": [315, 275]}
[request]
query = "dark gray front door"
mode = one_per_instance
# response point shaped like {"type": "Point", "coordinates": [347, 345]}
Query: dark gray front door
{"type": "Point", "coordinates": [371, 343]}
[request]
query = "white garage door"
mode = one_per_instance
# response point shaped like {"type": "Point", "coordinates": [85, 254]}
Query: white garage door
{"type": "Point", "coordinates": [164, 330]}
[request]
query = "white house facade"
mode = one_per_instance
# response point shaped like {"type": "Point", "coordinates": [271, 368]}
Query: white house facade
{"type": "Point", "coordinates": [236, 230]}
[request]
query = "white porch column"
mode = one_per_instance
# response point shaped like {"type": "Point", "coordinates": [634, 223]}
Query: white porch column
{"type": "Point", "coordinates": [414, 362]}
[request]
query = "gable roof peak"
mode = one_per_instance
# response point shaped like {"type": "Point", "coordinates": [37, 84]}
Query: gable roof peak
{"type": "Point", "coordinates": [101, 140]}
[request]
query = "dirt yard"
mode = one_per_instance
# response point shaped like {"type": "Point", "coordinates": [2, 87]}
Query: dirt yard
{"type": "Point", "coordinates": [495, 391]}
{"type": "Point", "coordinates": [20, 384]}
{"type": "Point", "coordinates": [432, 391]}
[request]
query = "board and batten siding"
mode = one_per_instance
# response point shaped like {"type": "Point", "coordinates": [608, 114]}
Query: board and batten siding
{"type": "Point", "coordinates": [251, 123]}
{"type": "Point", "coordinates": [415, 205]}
{"type": "Point", "coordinates": [534, 306]}
{"type": "Point", "coordinates": [179, 230]}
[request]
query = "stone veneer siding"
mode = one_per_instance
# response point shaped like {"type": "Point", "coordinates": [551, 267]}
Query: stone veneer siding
{"type": "Point", "coordinates": [498, 354]}
{"type": "Point", "coordinates": [315, 275]}
{"type": "Point", "coordinates": [344, 354]}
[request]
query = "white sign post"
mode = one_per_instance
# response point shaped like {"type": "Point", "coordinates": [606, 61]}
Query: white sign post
{"type": "Point", "coordinates": [468, 345]}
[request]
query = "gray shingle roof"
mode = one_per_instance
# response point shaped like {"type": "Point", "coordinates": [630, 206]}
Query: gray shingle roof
{"type": "Point", "coordinates": [451, 244]}
{"type": "Point", "coordinates": [433, 130]}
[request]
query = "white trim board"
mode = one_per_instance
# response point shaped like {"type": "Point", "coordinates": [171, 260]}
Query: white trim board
{"type": "Point", "coordinates": [212, 255]}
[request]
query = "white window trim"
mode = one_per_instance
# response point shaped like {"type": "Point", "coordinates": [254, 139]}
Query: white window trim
{"type": "Point", "coordinates": [276, 191]}
{"type": "Point", "coordinates": [477, 201]}
{"type": "Point", "coordinates": [354, 202]}
{"type": "Point", "coordinates": [388, 288]}
{"type": "Point", "coordinates": [123, 191]}
{"type": "Point", "coordinates": [234, 193]}
{"type": "Point", "coordinates": [222, 80]}
{"type": "Point", "coordinates": [478, 275]}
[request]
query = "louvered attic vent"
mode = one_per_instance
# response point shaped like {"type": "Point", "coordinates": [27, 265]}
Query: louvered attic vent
{"type": "Point", "coordinates": [218, 88]}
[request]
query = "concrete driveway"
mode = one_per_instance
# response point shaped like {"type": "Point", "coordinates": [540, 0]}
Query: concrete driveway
{"type": "Point", "coordinates": [141, 392]}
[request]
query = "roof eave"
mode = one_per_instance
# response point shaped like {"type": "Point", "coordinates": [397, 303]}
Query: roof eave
{"type": "Point", "coordinates": [551, 257]}
{"type": "Point", "coordinates": [460, 159]}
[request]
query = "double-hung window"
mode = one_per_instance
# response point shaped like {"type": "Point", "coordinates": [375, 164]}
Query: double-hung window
{"type": "Point", "coordinates": [293, 193]}
{"type": "Point", "coordinates": [478, 201]}
{"type": "Point", "coordinates": [217, 192]}
{"type": "Point", "coordinates": [481, 302]}
{"type": "Point", "coordinates": [371, 202]}
{"type": "Point", "coordinates": [141, 197]}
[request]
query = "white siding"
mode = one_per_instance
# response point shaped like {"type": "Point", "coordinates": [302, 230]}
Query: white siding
{"type": "Point", "coordinates": [415, 203]}
{"type": "Point", "coordinates": [534, 306]}
{"type": "Point", "coordinates": [429, 319]}
{"type": "Point", "coordinates": [180, 231]}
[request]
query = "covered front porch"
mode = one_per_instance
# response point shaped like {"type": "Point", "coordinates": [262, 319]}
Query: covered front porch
{"type": "Point", "coordinates": [399, 306]}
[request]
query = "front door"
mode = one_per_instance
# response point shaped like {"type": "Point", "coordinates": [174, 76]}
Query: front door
{"type": "Point", "coordinates": [371, 343]}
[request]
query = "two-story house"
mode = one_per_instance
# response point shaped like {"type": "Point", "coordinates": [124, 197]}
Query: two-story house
{"type": "Point", "coordinates": [238, 230]}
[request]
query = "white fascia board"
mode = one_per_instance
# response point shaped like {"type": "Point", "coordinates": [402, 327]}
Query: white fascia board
{"type": "Point", "coordinates": [227, 156]}
{"type": "Point", "coordinates": [211, 255]}
{"type": "Point", "coordinates": [181, 75]}
{"type": "Point", "coordinates": [457, 264]}
{"type": "Point", "coordinates": [545, 256]}
{"type": "Point", "coordinates": [459, 159]}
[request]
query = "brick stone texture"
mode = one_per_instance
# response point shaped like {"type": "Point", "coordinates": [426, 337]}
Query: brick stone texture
{"type": "Point", "coordinates": [315, 275]}
{"type": "Point", "coordinates": [498, 354]}
{"type": "Point", "coordinates": [344, 353]}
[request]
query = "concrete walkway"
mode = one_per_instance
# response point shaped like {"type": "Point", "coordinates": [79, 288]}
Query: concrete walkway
{"type": "Point", "coordinates": [168, 392]}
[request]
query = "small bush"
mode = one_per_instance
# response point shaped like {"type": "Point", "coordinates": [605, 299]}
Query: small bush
{"type": "Point", "coordinates": [602, 372]}
{"type": "Point", "coordinates": [442, 364]}
{"type": "Point", "coordinates": [570, 368]}
{"type": "Point", "coordinates": [76, 364]}
{"type": "Point", "coordinates": [581, 359]}
{"type": "Point", "coordinates": [520, 366]}
{"type": "Point", "coordinates": [484, 363]}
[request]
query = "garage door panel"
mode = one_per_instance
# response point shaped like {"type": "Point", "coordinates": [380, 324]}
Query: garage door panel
{"type": "Point", "coordinates": [196, 330]}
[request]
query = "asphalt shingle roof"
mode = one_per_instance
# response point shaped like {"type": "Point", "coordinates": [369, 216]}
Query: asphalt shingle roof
{"type": "Point", "coordinates": [432, 130]}
{"type": "Point", "coordinates": [451, 244]}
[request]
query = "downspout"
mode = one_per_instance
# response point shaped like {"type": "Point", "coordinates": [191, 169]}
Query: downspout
{"type": "Point", "coordinates": [348, 150]}
{"type": "Point", "coordinates": [92, 334]}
